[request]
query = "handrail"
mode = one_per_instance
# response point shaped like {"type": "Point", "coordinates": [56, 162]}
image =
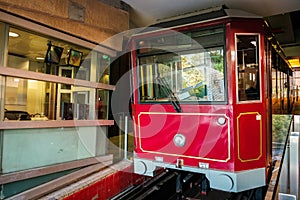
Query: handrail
{"type": "Point", "coordinates": [282, 158]}
{"type": "Point", "coordinates": [14, 124]}
{"type": "Point", "coordinates": [272, 189]}
{"type": "Point", "coordinates": [8, 71]}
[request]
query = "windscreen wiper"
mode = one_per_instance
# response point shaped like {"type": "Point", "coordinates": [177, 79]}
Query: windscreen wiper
{"type": "Point", "coordinates": [168, 92]}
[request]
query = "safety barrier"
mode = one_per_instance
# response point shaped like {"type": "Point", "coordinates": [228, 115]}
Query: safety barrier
{"type": "Point", "coordinates": [284, 183]}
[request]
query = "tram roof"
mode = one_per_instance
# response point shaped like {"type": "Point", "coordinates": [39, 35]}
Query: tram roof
{"type": "Point", "coordinates": [203, 15]}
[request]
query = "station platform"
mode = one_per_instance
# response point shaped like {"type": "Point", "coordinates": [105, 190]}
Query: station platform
{"type": "Point", "coordinates": [106, 182]}
{"type": "Point", "coordinates": [101, 185]}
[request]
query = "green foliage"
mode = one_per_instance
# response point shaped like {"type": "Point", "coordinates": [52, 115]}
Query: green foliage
{"type": "Point", "coordinates": [217, 60]}
{"type": "Point", "coordinates": [280, 127]}
{"type": "Point", "coordinates": [200, 91]}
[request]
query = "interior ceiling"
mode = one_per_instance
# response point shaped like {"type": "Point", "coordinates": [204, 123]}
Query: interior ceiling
{"type": "Point", "coordinates": [282, 16]}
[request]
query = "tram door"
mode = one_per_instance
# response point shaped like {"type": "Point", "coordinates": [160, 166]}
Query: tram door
{"type": "Point", "coordinates": [249, 110]}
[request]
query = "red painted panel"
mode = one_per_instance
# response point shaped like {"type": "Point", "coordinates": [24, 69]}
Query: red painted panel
{"type": "Point", "coordinates": [206, 140]}
{"type": "Point", "coordinates": [71, 197]}
{"type": "Point", "coordinates": [116, 181]}
{"type": "Point", "coordinates": [107, 187]}
{"type": "Point", "coordinates": [101, 189]}
{"type": "Point", "coordinates": [249, 136]}
{"type": "Point", "coordinates": [92, 191]}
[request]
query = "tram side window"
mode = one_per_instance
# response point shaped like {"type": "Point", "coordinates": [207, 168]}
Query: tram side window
{"type": "Point", "coordinates": [248, 67]}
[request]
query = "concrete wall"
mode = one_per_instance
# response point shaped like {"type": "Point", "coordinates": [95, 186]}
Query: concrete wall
{"type": "Point", "coordinates": [89, 19]}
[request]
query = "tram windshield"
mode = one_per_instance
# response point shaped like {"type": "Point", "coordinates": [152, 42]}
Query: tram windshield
{"type": "Point", "coordinates": [193, 75]}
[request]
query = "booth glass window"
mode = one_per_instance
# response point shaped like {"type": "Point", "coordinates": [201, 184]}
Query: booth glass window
{"type": "Point", "coordinates": [34, 52]}
{"type": "Point", "coordinates": [46, 81]}
{"type": "Point", "coordinates": [53, 101]}
{"type": "Point", "coordinates": [248, 75]}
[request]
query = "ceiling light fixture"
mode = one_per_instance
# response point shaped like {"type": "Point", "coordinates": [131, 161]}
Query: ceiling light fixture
{"type": "Point", "coordinates": [295, 62]}
{"type": "Point", "coordinates": [13, 34]}
{"type": "Point", "coordinates": [253, 43]}
{"type": "Point", "coordinates": [40, 58]}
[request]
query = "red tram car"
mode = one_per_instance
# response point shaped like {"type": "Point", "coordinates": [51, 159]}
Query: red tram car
{"type": "Point", "coordinates": [202, 98]}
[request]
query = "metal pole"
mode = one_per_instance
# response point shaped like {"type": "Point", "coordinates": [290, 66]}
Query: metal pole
{"type": "Point", "coordinates": [284, 175]}
{"type": "Point", "coordinates": [294, 164]}
{"type": "Point", "coordinates": [297, 123]}
{"type": "Point", "coordinates": [120, 136]}
{"type": "Point", "coordinates": [126, 137]}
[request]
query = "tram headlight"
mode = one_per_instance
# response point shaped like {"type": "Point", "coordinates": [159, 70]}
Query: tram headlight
{"type": "Point", "coordinates": [221, 120]}
{"type": "Point", "coordinates": [179, 140]}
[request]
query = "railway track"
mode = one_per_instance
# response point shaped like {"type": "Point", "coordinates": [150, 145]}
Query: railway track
{"type": "Point", "coordinates": [148, 190]}
{"type": "Point", "coordinates": [163, 186]}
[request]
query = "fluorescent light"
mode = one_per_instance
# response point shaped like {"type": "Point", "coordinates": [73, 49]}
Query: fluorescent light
{"type": "Point", "coordinates": [253, 43]}
{"type": "Point", "coordinates": [39, 58]}
{"type": "Point", "coordinates": [13, 34]}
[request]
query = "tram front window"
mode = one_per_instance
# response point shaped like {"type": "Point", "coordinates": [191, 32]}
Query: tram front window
{"type": "Point", "coordinates": [196, 76]}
